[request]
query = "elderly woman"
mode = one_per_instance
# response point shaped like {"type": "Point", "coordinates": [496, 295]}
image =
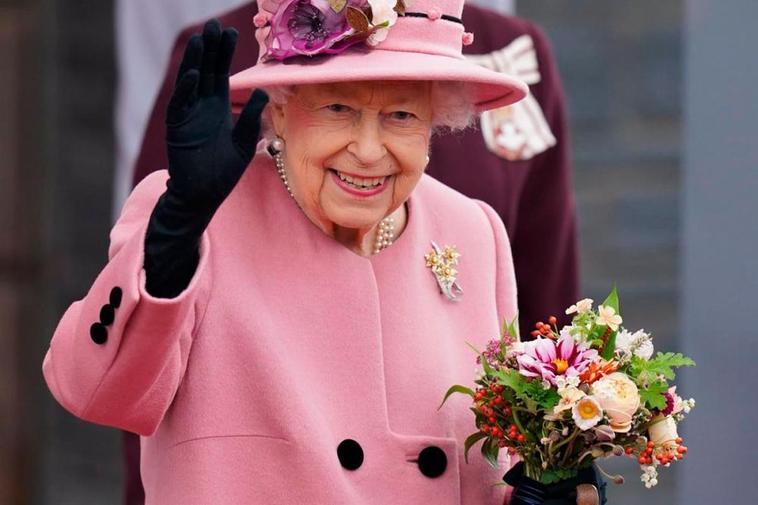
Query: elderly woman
{"type": "Point", "coordinates": [280, 326]}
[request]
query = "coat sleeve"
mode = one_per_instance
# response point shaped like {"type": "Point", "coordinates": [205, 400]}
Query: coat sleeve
{"type": "Point", "coordinates": [507, 303]}
{"type": "Point", "coordinates": [118, 355]}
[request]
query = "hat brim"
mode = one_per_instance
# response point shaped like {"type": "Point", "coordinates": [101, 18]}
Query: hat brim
{"type": "Point", "coordinates": [490, 89]}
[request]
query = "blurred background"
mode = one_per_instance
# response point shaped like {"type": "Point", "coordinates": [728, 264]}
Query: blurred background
{"type": "Point", "coordinates": [663, 112]}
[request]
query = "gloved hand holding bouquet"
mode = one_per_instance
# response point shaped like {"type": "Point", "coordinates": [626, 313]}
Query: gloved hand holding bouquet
{"type": "Point", "coordinates": [571, 396]}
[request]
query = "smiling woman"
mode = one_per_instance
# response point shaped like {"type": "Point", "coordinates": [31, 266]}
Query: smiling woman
{"type": "Point", "coordinates": [353, 153]}
{"type": "Point", "coordinates": [271, 320]}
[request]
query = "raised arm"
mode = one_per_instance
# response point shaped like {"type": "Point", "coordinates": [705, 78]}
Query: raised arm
{"type": "Point", "coordinates": [118, 355]}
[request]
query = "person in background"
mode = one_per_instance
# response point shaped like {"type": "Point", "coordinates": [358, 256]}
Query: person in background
{"type": "Point", "coordinates": [518, 162]}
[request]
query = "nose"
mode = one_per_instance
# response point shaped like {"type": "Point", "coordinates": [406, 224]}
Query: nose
{"type": "Point", "coordinates": [367, 144]}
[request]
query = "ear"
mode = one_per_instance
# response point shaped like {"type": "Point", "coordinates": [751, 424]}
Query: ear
{"type": "Point", "coordinates": [277, 118]}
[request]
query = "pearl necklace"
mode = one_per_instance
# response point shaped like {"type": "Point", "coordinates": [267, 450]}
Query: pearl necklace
{"type": "Point", "coordinates": [384, 235]}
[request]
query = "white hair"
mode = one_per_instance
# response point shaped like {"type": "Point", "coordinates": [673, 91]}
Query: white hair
{"type": "Point", "coordinates": [452, 105]}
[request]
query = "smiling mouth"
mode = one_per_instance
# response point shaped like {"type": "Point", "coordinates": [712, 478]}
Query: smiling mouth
{"type": "Point", "coordinates": [360, 183]}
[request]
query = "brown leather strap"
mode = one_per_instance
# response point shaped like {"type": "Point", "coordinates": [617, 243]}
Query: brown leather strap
{"type": "Point", "coordinates": [586, 494]}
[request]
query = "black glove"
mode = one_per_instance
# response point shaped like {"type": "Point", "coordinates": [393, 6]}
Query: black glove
{"type": "Point", "coordinates": [527, 491]}
{"type": "Point", "coordinates": [207, 156]}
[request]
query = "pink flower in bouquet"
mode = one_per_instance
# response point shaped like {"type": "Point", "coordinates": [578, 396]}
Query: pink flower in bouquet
{"type": "Point", "coordinates": [548, 359]}
{"type": "Point", "coordinates": [305, 27]}
{"type": "Point", "coordinates": [674, 403]}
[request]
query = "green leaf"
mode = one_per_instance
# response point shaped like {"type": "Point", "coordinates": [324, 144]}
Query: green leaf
{"type": "Point", "coordinates": [486, 366]}
{"type": "Point", "coordinates": [662, 364]}
{"type": "Point", "coordinates": [652, 395]}
{"type": "Point", "coordinates": [557, 475]}
{"type": "Point", "coordinates": [490, 451]}
{"type": "Point", "coordinates": [456, 389]}
{"type": "Point", "coordinates": [511, 328]}
{"type": "Point", "coordinates": [470, 441]}
{"type": "Point", "coordinates": [610, 346]}
{"type": "Point", "coordinates": [613, 300]}
{"type": "Point", "coordinates": [477, 351]}
{"type": "Point", "coordinates": [337, 5]}
{"type": "Point", "coordinates": [528, 390]}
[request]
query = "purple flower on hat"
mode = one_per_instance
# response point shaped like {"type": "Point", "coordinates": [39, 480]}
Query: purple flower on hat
{"type": "Point", "coordinates": [307, 27]}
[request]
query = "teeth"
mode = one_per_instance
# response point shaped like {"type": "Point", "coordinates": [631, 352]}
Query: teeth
{"type": "Point", "coordinates": [360, 182]}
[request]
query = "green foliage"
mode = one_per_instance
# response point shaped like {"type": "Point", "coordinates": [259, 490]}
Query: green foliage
{"type": "Point", "coordinates": [490, 450]}
{"type": "Point", "coordinates": [470, 441]}
{"type": "Point", "coordinates": [511, 328]}
{"type": "Point", "coordinates": [646, 371]}
{"type": "Point", "coordinates": [652, 395]}
{"type": "Point", "coordinates": [530, 391]}
{"type": "Point", "coordinates": [557, 475]}
{"type": "Point", "coordinates": [613, 300]}
{"type": "Point", "coordinates": [456, 389]}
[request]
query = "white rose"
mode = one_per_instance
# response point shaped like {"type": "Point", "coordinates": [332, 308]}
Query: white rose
{"type": "Point", "coordinates": [663, 432]}
{"type": "Point", "coordinates": [619, 398]}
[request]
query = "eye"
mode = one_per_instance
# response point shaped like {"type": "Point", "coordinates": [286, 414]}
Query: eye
{"type": "Point", "coordinates": [338, 108]}
{"type": "Point", "coordinates": [402, 115]}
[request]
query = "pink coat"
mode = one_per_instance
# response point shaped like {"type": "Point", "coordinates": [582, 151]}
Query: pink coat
{"type": "Point", "coordinates": [285, 345]}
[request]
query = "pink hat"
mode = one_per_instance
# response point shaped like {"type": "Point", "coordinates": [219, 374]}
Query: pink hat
{"type": "Point", "coordinates": [320, 41]}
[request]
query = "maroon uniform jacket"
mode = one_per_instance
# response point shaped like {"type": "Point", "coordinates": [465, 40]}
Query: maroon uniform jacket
{"type": "Point", "coordinates": [532, 196]}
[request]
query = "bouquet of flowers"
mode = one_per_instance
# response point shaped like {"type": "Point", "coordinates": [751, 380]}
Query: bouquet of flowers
{"type": "Point", "coordinates": [589, 390]}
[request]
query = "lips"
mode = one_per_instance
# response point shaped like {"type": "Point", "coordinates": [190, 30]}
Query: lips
{"type": "Point", "coordinates": [360, 182]}
{"type": "Point", "coordinates": [359, 186]}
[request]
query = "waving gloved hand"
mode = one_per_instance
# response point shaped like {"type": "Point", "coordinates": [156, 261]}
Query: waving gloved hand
{"type": "Point", "coordinates": [207, 156]}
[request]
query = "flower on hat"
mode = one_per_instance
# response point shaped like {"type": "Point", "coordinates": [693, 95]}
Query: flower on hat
{"type": "Point", "coordinates": [311, 27]}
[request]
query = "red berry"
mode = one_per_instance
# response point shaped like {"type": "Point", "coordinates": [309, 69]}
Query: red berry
{"type": "Point", "coordinates": [521, 438]}
{"type": "Point", "coordinates": [629, 450]}
{"type": "Point", "coordinates": [493, 420]}
{"type": "Point", "coordinates": [539, 325]}
{"type": "Point", "coordinates": [553, 320]}
{"type": "Point", "coordinates": [678, 440]}
{"type": "Point", "coordinates": [650, 444]}
{"type": "Point", "coordinates": [641, 460]}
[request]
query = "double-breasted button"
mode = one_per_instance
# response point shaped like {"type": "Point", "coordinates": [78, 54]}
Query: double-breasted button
{"type": "Point", "coordinates": [350, 454]}
{"type": "Point", "coordinates": [432, 461]}
{"type": "Point", "coordinates": [107, 314]}
{"type": "Point", "coordinates": [115, 297]}
{"type": "Point", "coordinates": [98, 333]}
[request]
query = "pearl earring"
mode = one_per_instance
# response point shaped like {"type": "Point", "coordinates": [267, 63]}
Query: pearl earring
{"type": "Point", "coordinates": [427, 159]}
{"type": "Point", "coordinates": [275, 149]}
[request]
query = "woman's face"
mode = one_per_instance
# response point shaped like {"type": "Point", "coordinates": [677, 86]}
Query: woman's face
{"type": "Point", "coordinates": [354, 151]}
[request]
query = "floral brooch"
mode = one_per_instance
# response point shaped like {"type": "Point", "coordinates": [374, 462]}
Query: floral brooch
{"type": "Point", "coordinates": [311, 27]}
{"type": "Point", "coordinates": [443, 262]}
